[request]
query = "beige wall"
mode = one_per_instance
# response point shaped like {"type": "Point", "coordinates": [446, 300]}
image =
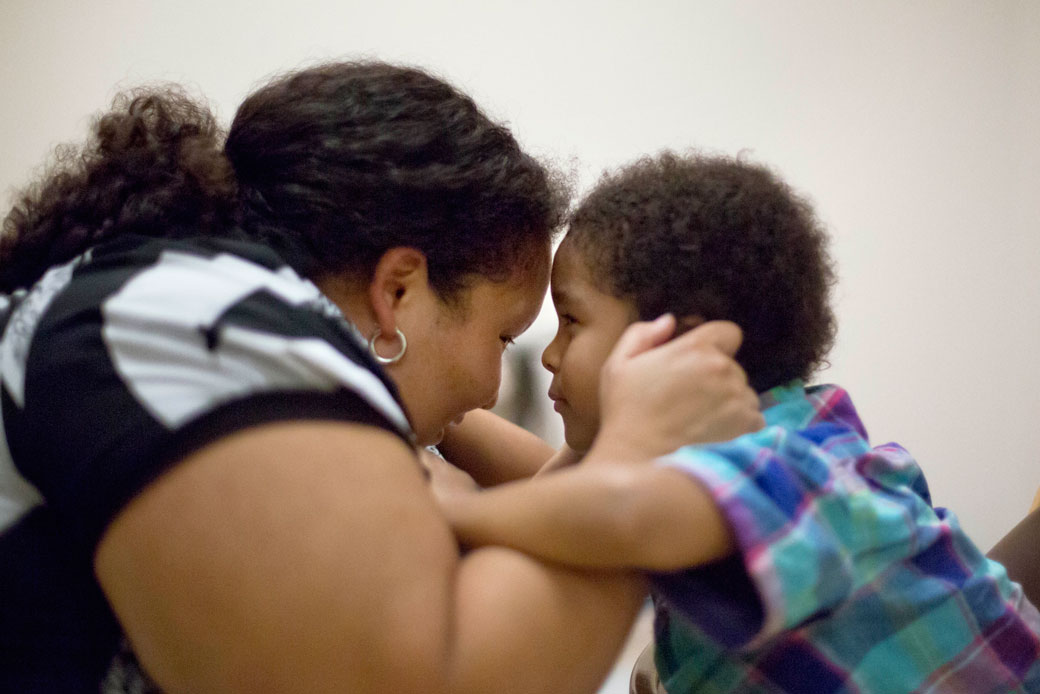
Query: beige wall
{"type": "Point", "coordinates": [911, 125]}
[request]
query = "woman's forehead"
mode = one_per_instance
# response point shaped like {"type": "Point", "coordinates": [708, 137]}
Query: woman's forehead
{"type": "Point", "coordinates": [526, 285]}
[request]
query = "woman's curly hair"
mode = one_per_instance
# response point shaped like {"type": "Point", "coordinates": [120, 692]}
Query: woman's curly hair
{"type": "Point", "coordinates": [713, 237]}
{"type": "Point", "coordinates": [153, 166]}
{"type": "Point", "coordinates": [355, 158]}
{"type": "Point", "coordinates": [337, 162]}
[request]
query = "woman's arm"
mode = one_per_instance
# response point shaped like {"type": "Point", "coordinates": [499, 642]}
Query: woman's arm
{"type": "Point", "coordinates": [310, 557]}
{"type": "Point", "coordinates": [1017, 551]}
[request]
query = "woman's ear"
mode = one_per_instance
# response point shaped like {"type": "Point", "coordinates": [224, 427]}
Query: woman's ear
{"type": "Point", "coordinates": [399, 276]}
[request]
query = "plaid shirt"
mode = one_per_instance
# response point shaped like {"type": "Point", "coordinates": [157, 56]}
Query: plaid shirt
{"type": "Point", "coordinates": [846, 579]}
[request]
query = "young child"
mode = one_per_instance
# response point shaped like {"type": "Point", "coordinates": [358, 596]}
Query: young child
{"type": "Point", "coordinates": [794, 559]}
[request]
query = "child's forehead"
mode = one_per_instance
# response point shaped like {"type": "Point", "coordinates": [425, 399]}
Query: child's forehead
{"type": "Point", "coordinates": [569, 265]}
{"type": "Point", "coordinates": [570, 258]}
{"type": "Point", "coordinates": [575, 282]}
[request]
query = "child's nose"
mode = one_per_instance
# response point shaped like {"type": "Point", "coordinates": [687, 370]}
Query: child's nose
{"type": "Point", "coordinates": [551, 356]}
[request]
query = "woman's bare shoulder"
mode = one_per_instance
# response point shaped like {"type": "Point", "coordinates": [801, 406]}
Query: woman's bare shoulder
{"type": "Point", "coordinates": [267, 560]}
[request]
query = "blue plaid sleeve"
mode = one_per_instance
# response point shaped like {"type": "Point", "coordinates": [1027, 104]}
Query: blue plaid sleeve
{"type": "Point", "coordinates": [816, 514]}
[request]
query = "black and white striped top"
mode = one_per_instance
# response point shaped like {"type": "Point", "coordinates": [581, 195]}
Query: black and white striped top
{"type": "Point", "coordinates": [113, 367]}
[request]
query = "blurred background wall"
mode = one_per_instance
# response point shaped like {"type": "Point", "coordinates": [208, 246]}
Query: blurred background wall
{"type": "Point", "coordinates": [912, 126]}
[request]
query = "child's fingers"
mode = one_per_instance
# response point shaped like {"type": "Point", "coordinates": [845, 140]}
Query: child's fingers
{"type": "Point", "coordinates": [639, 337]}
{"type": "Point", "coordinates": [724, 335]}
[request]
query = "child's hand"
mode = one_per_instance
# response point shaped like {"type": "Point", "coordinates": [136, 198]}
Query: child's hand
{"type": "Point", "coordinates": [446, 480]}
{"type": "Point", "coordinates": [658, 394]}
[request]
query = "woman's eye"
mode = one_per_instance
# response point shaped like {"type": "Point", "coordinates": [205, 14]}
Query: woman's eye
{"type": "Point", "coordinates": [506, 341]}
{"type": "Point", "coordinates": [567, 319]}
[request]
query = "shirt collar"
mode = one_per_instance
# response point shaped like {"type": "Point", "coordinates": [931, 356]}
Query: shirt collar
{"type": "Point", "coordinates": [795, 406]}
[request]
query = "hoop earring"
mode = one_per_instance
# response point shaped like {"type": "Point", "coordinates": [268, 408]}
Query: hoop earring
{"type": "Point", "coordinates": [387, 360]}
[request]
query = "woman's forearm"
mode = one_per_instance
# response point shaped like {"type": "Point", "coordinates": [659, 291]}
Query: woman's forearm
{"type": "Point", "coordinates": [508, 604]}
{"type": "Point", "coordinates": [237, 572]}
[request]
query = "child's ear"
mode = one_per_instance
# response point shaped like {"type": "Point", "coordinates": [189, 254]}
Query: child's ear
{"type": "Point", "coordinates": [685, 324]}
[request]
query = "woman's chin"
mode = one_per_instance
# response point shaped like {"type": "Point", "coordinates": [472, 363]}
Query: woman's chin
{"type": "Point", "coordinates": [432, 439]}
{"type": "Point", "coordinates": [435, 436]}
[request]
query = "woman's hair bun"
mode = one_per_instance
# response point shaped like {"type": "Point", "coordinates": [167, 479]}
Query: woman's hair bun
{"type": "Point", "coordinates": [153, 165]}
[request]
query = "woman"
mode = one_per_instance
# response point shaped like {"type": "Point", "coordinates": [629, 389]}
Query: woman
{"type": "Point", "coordinates": [216, 381]}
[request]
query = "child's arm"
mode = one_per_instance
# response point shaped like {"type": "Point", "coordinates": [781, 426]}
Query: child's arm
{"type": "Point", "coordinates": [639, 389]}
{"type": "Point", "coordinates": [606, 515]}
{"type": "Point", "coordinates": [565, 457]}
{"type": "Point", "coordinates": [493, 450]}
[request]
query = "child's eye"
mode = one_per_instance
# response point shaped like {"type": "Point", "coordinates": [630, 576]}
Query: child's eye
{"type": "Point", "coordinates": [567, 319]}
{"type": "Point", "coordinates": [506, 341]}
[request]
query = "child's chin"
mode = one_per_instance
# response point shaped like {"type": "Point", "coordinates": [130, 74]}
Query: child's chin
{"type": "Point", "coordinates": [576, 441]}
